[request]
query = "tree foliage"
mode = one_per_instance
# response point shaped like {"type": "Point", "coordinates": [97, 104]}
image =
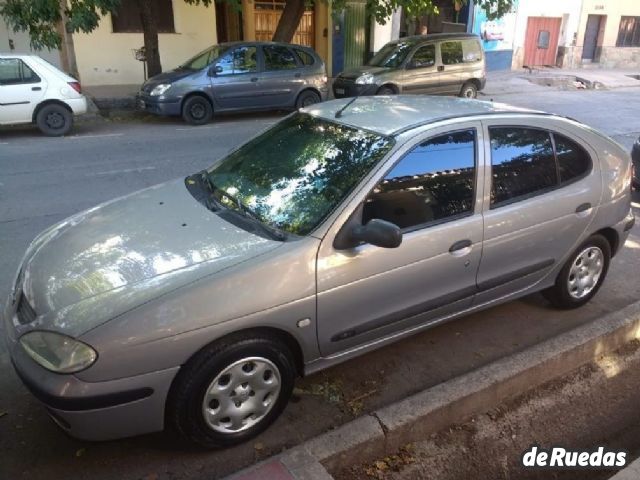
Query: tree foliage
{"type": "Point", "coordinates": [40, 18]}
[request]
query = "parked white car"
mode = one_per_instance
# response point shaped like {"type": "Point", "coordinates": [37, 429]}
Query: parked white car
{"type": "Point", "coordinates": [34, 91]}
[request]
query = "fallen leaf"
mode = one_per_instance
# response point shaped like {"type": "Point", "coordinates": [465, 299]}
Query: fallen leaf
{"type": "Point", "coordinates": [80, 452]}
{"type": "Point", "coordinates": [3, 413]}
{"type": "Point", "coordinates": [258, 446]}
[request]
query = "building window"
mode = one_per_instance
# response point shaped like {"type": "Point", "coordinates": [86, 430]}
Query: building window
{"type": "Point", "coordinates": [629, 33]}
{"type": "Point", "coordinates": [127, 19]}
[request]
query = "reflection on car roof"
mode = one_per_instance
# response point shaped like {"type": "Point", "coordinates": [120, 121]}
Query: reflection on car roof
{"type": "Point", "coordinates": [390, 115]}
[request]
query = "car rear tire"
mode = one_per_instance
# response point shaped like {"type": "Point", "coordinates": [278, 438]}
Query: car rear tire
{"type": "Point", "coordinates": [469, 90]}
{"type": "Point", "coordinates": [307, 98]}
{"type": "Point", "coordinates": [232, 390]}
{"type": "Point", "coordinates": [386, 90]}
{"type": "Point", "coordinates": [197, 110]}
{"type": "Point", "coordinates": [582, 275]}
{"type": "Point", "coordinates": [54, 120]}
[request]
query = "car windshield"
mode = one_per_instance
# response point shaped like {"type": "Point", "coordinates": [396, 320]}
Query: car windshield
{"type": "Point", "coordinates": [204, 58]}
{"type": "Point", "coordinates": [391, 55]}
{"type": "Point", "coordinates": [296, 173]}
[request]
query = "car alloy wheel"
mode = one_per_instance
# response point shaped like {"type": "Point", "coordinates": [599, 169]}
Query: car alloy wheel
{"type": "Point", "coordinates": [241, 395]}
{"type": "Point", "coordinates": [585, 272]}
{"type": "Point", "coordinates": [54, 120]}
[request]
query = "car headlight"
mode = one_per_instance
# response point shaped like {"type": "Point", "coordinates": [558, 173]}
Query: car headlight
{"type": "Point", "coordinates": [58, 353]}
{"type": "Point", "coordinates": [159, 89]}
{"type": "Point", "coordinates": [365, 79]}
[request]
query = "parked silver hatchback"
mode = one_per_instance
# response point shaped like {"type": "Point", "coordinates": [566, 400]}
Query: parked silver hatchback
{"type": "Point", "coordinates": [443, 64]}
{"type": "Point", "coordinates": [235, 77]}
{"type": "Point", "coordinates": [348, 225]}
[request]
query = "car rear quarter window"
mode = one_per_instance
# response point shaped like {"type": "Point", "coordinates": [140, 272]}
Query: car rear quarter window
{"type": "Point", "coordinates": [14, 71]}
{"type": "Point", "coordinates": [277, 57]}
{"type": "Point", "coordinates": [434, 182]}
{"type": "Point", "coordinates": [573, 161]}
{"type": "Point", "coordinates": [471, 51]}
{"type": "Point", "coordinates": [305, 58]}
{"type": "Point", "coordinates": [522, 164]}
{"type": "Point", "coordinates": [451, 52]}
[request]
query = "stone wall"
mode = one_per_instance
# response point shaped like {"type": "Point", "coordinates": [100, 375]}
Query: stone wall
{"type": "Point", "coordinates": [620, 57]}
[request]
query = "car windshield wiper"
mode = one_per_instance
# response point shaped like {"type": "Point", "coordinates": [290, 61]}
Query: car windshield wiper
{"type": "Point", "coordinates": [273, 232]}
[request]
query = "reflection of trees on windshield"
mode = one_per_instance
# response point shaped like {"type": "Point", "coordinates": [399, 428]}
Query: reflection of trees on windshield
{"type": "Point", "coordinates": [391, 55]}
{"type": "Point", "coordinates": [296, 173]}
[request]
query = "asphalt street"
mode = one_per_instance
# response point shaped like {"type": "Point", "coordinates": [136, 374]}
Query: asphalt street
{"type": "Point", "coordinates": [43, 180]}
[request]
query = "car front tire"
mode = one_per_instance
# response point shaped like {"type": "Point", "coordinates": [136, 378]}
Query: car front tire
{"type": "Point", "coordinates": [232, 390]}
{"type": "Point", "coordinates": [54, 120]}
{"type": "Point", "coordinates": [582, 275]}
{"type": "Point", "coordinates": [197, 110]}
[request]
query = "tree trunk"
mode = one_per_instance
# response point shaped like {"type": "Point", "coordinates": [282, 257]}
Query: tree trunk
{"type": "Point", "coordinates": [67, 50]}
{"type": "Point", "coordinates": [289, 21]}
{"type": "Point", "coordinates": [149, 18]}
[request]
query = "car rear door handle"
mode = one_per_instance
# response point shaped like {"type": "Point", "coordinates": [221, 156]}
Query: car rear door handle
{"type": "Point", "coordinates": [441, 68]}
{"type": "Point", "coordinates": [36, 89]}
{"type": "Point", "coordinates": [460, 245]}
{"type": "Point", "coordinates": [583, 207]}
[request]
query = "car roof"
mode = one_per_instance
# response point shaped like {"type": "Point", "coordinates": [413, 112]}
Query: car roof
{"type": "Point", "coordinates": [17, 55]}
{"type": "Point", "coordinates": [394, 114]}
{"type": "Point", "coordinates": [435, 36]}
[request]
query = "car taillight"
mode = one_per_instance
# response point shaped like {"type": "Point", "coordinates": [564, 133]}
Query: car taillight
{"type": "Point", "coordinates": [75, 86]}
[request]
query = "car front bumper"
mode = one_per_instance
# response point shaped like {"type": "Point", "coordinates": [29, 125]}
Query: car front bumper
{"type": "Point", "coordinates": [158, 105]}
{"type": "Point", "coordinates": [106, 410]}
{"type": "Point", "coordinates": [348, 88]}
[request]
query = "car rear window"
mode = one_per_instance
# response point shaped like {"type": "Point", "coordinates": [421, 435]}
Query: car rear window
{"type": "Point", "coordinates": [305, 57]}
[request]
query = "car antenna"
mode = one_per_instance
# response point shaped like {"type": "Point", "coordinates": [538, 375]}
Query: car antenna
{"type": "Point", "coordinates": [346, 105]}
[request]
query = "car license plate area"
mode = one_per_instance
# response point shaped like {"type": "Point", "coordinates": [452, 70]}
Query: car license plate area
{"type": "Point", "coordinates": [340, 91]}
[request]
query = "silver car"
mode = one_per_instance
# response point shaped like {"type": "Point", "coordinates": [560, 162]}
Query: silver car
{"type": "Point", "coordinates": [442, 63]}
{"type": "Point", "coordinates": [195, 304]}
{"type": "Point", "coordinates": [235, 77]}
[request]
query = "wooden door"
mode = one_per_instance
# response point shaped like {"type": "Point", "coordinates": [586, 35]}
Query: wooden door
{"type": "Point", "coordinates": [541, 41]}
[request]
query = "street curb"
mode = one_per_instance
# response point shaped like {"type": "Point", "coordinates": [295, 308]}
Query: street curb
{"type": "Point", "coordinates": [387, 429]}
{"type": "Point", "coordinates": [630, 472]}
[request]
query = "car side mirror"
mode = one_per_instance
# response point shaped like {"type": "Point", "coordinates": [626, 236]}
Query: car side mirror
{"type": "Point", "coordinates": [215, 70]}
{"type": "Point", "coordinates": [376, 232]}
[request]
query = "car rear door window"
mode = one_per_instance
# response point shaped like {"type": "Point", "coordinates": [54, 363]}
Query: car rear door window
{"type": "Point", "coordinates": [451, 52]}
{"type": "Point", "coordinates": [239, 60]}
{"type": "Point", "coordinates": [573, 161]}
{"type": "Point", "coordinates": [14, 71]}
{"type": "Point", "coordinates": [425, 56]}
{"type": "Point", "coordinates": [522, 164]}
{"type": "Point", "coordinates": [277, 57]}
{"type": "Point", "coordinates": [432, 183]}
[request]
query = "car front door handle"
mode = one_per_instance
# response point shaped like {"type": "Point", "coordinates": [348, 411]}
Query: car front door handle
{"type": "Point", "coordinates": [36, 89]}
{"type": "Point", "coordinates": [460, 245]}
{"type": "Point", "coordinates": [441, 68]}
{"type": "Point", "coordinates": [583, 207]}
{"type": "Point", "coordinates": [254, 79]}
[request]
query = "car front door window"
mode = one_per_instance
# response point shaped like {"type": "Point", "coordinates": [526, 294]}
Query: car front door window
{"type": "Point", "coordinates": [239, 60]}
{"type": "Point", "coordinates": [14, 71]}
{"type": "Point", "coordinates": [434, 182]}
{"type": "Point", "coordinates": [424, 57]}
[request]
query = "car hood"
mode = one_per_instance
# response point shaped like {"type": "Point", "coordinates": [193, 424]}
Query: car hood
{"type": "Point", "coordinates": [129, 251]}
{"type": "Point", "coordinates": [167, 77]}
{"type": "Point", "coordinates": [354, 73]}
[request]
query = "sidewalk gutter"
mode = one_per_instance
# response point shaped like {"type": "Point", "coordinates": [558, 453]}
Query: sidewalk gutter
{"type": "Point", "coordinates": [630, 472]}
{"type": "Point", "coordinates": [386, 430]}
